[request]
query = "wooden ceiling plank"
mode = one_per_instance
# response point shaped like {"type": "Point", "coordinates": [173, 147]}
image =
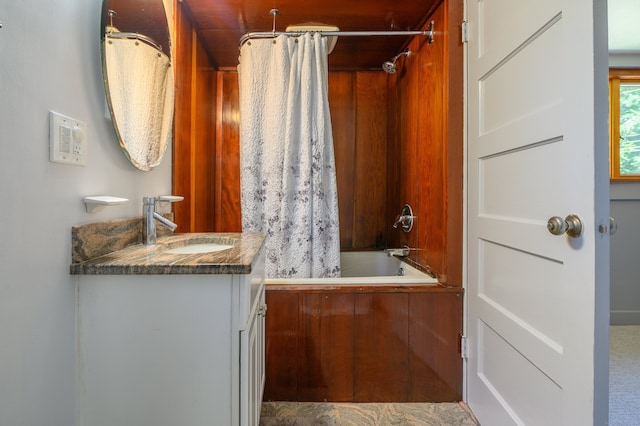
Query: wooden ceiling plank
{"type": "Point", "coordinates": [221, 23]}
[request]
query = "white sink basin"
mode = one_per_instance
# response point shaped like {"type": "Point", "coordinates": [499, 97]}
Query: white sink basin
{"type": "Point", "coordinates": [199, 248]}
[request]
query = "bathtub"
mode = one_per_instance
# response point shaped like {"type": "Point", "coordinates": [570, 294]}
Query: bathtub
{"type": "Point", "coordinates": [370, 336]}
{"type": "Point", "coordinates": [365, 268]}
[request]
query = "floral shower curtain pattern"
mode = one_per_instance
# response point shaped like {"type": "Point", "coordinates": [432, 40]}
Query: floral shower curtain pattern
{"type": "Point", "coordinates": [288, 177]}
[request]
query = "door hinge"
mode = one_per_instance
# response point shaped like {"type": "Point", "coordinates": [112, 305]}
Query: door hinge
{"type": "Point", "coordinates": [464, 347]}
{"type": "Point", "coordinates": [464, 31]}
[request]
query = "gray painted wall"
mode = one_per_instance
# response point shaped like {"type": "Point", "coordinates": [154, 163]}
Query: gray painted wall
{"type": "Point", "coordinates": [50, 60]}
{"type": "Point", "coordinates": [624, 60]}
{"type": "Point", "coordinates": [625, 253]}
{"type": "Point", "coordinates": [625, 244]}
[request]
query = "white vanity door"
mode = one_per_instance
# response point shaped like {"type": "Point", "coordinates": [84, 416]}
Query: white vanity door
{"type": "Point", "coordinates": [156, 350]}
{"type": "Point", "coordinates": [252, 363]}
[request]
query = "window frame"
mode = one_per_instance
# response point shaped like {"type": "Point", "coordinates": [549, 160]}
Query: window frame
{"type": "Point", "coordinates": [617, 76]}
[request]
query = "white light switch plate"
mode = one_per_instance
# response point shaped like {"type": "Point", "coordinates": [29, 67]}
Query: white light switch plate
{"type": "Point", "coordinates": [67, 140]}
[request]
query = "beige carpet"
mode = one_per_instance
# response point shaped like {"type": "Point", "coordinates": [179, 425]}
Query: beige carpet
{"type": "Point", "coordinates": [347, 414]}
{"type": "Point", "coordinates": [624, 375]}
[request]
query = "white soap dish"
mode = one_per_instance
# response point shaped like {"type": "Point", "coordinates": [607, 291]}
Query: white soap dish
{"type": "Point", "coordinates": [96, 203]}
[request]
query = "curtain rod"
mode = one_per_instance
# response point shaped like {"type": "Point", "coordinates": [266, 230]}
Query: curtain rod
{"type": "Point", "coordinates": [136, 36]}
{"type": "Point", "coordinates": [272, 34]}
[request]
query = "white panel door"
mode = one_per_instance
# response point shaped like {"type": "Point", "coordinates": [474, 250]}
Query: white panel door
{"type": "Point", "coordinates": [534, 98]}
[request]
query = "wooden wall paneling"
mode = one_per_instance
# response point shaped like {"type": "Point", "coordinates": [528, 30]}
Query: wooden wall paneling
{"type": "Point", "coordinates": [394, 125]}
{"type": "Point", "coordinates": [181, 147]}
{"type": "Point", "coordinates": [203, 154]}
{"type": "Point", "coordinates": [455, 166]}
{"type": "Point", "coordinates": [396, 194]}
{"type": "Point", "coordinates": [435, 327]}
{"type": "Point", "coordinates": [370, 191]}
{"type": "Point", "coordinates": [227, 193]}
{"type": "Point", "coordinates": [381, 352]}
{"type": "Point", "coordinates": [358, 103]}
{"type": "Point", "coordinates": [326, 348]}
{"type": "Point", "coordinates": [281, 346]}
{"type": "Point", "coordinates": [342, 97]}
{"type": "Point", "coordinates": [410, 120]}
{"type": "Point", "coordinates": [428, 153]}
{"type": "Point", "coordinates": [380, 123]}
{"type": "Point", "coordinates": [430, 205]}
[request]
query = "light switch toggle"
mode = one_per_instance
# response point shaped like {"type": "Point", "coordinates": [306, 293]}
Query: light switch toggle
{"type": "Point", "coordinates": [67, 140]}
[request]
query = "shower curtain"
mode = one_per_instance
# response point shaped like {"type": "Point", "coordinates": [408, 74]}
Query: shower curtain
{"type": "Point", "coordinates": [288, 178]}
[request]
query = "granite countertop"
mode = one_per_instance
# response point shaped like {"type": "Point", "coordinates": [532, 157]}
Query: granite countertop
{"type": "Point", "coordinates": [139, 259]}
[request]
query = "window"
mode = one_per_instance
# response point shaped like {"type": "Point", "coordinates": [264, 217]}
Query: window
{"type": "Point", "coordinates": [624, 123]}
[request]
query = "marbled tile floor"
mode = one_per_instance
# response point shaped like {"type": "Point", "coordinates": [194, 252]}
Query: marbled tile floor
{"type": "Point", "coordinates": [348, 414]}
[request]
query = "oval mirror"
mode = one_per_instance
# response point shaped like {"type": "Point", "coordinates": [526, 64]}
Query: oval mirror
{"type": "Point", "coordinates": [138, 77]}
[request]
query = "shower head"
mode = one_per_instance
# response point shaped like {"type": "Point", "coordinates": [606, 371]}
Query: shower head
{"type": "Point", "coordinates": [390, 66]}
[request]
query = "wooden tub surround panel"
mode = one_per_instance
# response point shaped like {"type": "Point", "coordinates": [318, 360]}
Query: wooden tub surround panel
{"type": "Point", "coordinates": [359, 345]}
{"type": "Point", "coordinates": [325, 318]}
{"type": "Point", "coordinates": [381, 347]}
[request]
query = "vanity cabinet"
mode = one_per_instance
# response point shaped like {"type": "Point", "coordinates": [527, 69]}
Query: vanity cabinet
{"type": "Point", "coordinates": [171, 349]}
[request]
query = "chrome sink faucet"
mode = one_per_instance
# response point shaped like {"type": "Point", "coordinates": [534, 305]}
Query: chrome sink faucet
{"type": "Point", "coordinates": [149, 215]}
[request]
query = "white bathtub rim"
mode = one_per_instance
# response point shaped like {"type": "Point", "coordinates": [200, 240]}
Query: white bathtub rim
{"type": "Point", "coordinates": [354, 281]}
{"type": "Point", "coordinates": [411, 275]}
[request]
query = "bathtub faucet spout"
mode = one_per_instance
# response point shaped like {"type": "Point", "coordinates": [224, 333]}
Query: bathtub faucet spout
{"type": "Point", "coordinates": [398, 252]}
